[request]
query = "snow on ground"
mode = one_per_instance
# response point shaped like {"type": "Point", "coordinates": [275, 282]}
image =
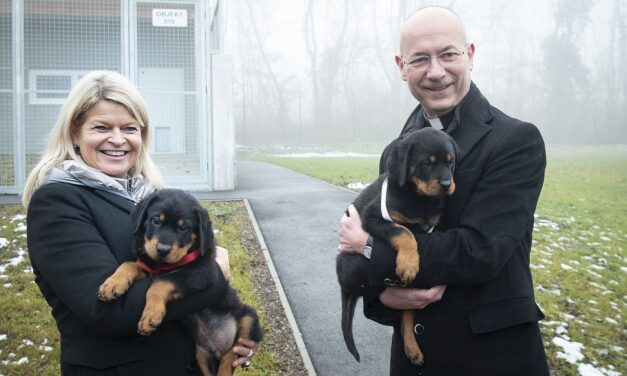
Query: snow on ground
{"type": "Point", "coordinates": [357, 186]}
{"type": "Point", "coordinates": [13, 261]}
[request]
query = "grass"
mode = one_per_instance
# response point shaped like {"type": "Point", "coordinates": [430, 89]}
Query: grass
{"type": "Point", "coordinates": [579, 255]}
{"type": "Point", "coordinates": [29, 341]}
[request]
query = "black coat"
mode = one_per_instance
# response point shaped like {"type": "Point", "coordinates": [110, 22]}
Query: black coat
{"type": "Point", "coordinates": [486, 322]}
{"type": "Point", "coordinates": [77, 237]}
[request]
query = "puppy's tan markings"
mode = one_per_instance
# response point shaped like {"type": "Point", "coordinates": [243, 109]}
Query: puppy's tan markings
{"type": "Point", "coordinates": [118, 283]}
{"type": "Point", "coordinates": [430, 187]}
{"type": "Point", "coordinates": [159, 293]}
{"type": "Point", "coordinates": [177, 253]}
{"type": "Point", "coordinates": [245, 327]}
{"type": "Point", "coordinates": [399, 218]}
{"type": "Point", "coordinates": [407, 259]}
{"type": "Point", "coordinates": [225, 368]}
{"type": "Point", "coordinates": [412, 350]}
{"type": "Point", "coordinates": [203, 359]}
{"type": "Point", "coordinates": [150, 246]}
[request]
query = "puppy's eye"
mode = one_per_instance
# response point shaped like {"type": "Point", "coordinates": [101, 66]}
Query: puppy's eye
{"type": "Point", "coordinates": [450, 163]}
{"type": "Point", "coordinates": [183, 228]}
{"type": "Point", "coordinates": [155, 221]}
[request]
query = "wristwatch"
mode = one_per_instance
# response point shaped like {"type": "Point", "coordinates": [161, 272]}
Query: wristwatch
{"type": "Point", "coordinates": [367, 251]}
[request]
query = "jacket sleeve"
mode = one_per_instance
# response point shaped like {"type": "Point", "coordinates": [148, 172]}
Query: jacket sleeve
{"type": "Point", "coordinates": [71, 259]}
{"type": "Point", "coordinates": [495, 220]}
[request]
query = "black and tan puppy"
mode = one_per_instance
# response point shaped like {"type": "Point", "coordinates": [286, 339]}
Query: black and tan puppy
{"type": "Point", "coordinates": [175, 244]}
{"type": "Point", "coordinates": [410, 196]}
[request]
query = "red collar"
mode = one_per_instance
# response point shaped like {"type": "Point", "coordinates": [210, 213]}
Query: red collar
{"type": "Point", "coordinates": [161, 268]}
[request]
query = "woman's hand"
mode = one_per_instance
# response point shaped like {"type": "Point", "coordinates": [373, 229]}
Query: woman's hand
{"type": "Point", "coordinates": [222, 258]}
{"type": "Point", "coordinates": [410, 298]}
{"type": "Point", "coordinates": [353, 238]}
{"type": "Point", "coordinates": [244, 349]}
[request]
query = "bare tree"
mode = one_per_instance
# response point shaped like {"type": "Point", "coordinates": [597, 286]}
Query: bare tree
{"type": "Point", "coordinates": [565, 75]}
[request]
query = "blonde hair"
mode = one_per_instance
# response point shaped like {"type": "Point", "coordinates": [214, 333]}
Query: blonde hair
{"type": "Point", "coordinates": [93, 88]}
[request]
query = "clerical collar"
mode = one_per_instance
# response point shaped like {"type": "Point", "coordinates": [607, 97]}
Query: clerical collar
{"type": "Point", "coordinates": [441, 122]}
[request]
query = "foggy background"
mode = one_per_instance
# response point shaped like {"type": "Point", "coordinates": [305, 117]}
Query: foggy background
{"type": "Point", "coordinates": [323, 71]}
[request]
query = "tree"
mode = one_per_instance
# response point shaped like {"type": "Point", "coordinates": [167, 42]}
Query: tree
{"type": "Point", "coordinates": [565, 75]}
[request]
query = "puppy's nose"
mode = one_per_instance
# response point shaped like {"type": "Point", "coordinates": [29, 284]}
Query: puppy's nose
{"type": "Point", "coordinates": [445, 183]}
{"type": "Point", "coordinates": [163, 249]}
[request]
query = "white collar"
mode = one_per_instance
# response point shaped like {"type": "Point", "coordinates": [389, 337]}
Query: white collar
{"type": "Point", "coordinates": [436, 123]}
{"type": "Point", "coordinates": [384, 208]}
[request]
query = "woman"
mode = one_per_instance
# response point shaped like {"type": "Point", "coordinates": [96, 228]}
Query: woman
{"type": "Point", "coordinates": [79, 198]}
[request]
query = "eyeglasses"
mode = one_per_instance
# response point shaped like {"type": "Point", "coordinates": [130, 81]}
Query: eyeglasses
{"type": "Point", "coordinates": [445, 59]}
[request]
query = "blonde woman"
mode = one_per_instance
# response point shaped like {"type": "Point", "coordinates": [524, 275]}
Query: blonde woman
{"type": "Point", "coordinates": [79, 198]}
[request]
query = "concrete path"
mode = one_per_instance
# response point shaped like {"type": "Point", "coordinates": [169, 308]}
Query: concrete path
{"type": "Point", "coordinates": [298, 217]}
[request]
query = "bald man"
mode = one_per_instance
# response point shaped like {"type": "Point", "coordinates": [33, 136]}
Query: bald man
{"type": "Point", "coordinates": [475, 311]}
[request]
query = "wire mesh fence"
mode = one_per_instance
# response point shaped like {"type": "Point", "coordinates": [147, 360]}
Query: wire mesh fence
{"type": "Point", "coordinates": [155, 44]}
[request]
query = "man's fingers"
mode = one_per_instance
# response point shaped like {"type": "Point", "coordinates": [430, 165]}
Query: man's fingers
{"type": "Point", "coordinates": [352, 211]}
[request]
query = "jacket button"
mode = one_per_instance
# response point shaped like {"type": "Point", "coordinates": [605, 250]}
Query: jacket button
{"type": "Point", "coordinates": [419, 329]}
{"type": "Point", "coordinates": [387, 282]}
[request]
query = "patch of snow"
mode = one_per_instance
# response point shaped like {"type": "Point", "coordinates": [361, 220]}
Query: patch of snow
{"type": "Point", "coordinates": [571, 350]}
{"type": "Point", "coordinates": [357, 186]}
{"type": "Point", "coordinates": [588, 370]}
{"type": "Point", "coordinates": [611, 320]}
{"type": "Point", "coordinates": [3, 242]}
{"type": "Point", "coordinates": [18, 217]}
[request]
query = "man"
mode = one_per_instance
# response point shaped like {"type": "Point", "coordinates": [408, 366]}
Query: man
{"type": "Point", "coordinates": [481, 317]}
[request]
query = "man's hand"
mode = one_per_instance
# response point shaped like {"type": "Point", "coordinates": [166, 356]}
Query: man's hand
{"type": "Point", "coordinates": [404, 298]}
{"type": "Point", "coordinates": [353, 238]}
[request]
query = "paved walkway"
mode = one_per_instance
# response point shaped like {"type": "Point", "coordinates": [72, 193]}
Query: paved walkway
{"type": "Point", "coordinates": [298, 218]}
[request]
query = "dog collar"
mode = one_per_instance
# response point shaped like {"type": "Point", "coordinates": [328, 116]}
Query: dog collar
{"type": "Point", "coordinates": [384, 209]}
{"type": "Point", "coordinates": [164, 267]}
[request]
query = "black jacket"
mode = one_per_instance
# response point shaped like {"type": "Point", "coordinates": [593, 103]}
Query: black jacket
{"type": "Point", "coordinates": [77, 237]}
{"type": "Point", "coordinates": [480, 250]}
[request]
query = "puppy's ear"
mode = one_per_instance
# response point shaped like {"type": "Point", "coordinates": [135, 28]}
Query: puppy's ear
{"type": "Point", "coordinates": [205, 231]}
{"type": "Point", "coordinates": [138, 216]}
{"type": "Point", "coordinates": [398, 162]}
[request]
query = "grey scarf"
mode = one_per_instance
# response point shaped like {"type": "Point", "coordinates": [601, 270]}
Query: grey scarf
{"type": "Point", "coordinates": [72, 172]}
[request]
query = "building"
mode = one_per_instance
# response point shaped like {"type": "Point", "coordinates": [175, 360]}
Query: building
{"type": "Point", "coordinates": [172, 51]}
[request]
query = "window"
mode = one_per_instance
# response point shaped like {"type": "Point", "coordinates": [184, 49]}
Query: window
{"type": "Point", "coordinates": [52, 86]}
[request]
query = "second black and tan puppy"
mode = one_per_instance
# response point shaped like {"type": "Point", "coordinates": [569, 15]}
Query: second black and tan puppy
{"type": "Point", "coordinates": [410, 196]}
{"type": "Point", "coordinates": [176, 246]}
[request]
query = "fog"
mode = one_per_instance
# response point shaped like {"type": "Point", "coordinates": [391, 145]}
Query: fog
{"type": "Point", "coordinates": [323, 71]}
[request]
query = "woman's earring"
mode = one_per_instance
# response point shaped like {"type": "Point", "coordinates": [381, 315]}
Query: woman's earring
{"type": "Point", "coordinates": [77, 150]}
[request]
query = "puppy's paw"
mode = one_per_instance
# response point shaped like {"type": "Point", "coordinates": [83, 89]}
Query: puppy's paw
{"type": "Point", "coordinates": [415, 355]}
{"type": "Point", "coordinates": [113, 288]}
{"type": "Point", "coordinates": [151, 319]}
{"type": "Point", "coordinates": [407, 266]}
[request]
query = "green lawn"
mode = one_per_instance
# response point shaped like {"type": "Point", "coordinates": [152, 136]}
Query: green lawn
{"type": "Point", "coordinates": [579, 257]}
{"type": "Point", "coordinates": [29, 341]}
